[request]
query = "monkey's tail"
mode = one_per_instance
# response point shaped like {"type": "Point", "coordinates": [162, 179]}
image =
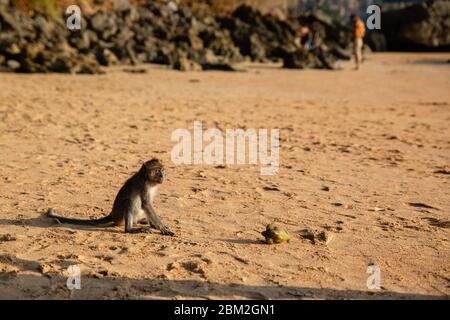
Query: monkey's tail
{"type": "Point", "coordinates": [105, 221]}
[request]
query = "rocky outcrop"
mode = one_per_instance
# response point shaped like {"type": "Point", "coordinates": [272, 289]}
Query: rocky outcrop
{"type": "Point", "coordinates": [155, 33]}
{"type": "Point", "coordinates": [423, 26]}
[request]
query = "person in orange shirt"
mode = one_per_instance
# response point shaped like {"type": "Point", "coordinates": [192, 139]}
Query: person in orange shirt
{"type": "Point", "coordinates": [358, 33]}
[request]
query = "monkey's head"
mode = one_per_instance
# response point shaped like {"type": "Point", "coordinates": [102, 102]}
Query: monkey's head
{"type": "Point", "coordinates": [154, 170]}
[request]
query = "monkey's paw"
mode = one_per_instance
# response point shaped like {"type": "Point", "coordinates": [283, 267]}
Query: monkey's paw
{"type": "Point", "coordinates": [167, 232]}
{"type": "Point", "coordinates": [141, 230]}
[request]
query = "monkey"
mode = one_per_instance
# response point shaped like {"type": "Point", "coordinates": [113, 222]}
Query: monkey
{"type": "Point", "coordinates": [133, 203]}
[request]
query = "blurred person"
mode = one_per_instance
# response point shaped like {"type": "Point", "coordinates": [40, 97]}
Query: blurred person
{"type": "Point", "coordinates": [319, 47]}
{"type": "Point", "coordinates": [317, 34]}
{"type": "Point", "coordinates": [358, 33]}
{"type": "Point", "coordinates": [304, 36]}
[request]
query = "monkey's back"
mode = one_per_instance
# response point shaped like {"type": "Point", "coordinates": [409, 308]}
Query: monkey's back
{"type": "Point", "coordinates": [123, 198]}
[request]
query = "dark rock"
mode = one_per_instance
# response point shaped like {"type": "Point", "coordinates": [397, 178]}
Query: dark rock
{"type": "Point", "coordinates": [257, 48]}
{"type": "Point", "coordinates": [137, 71]}
{"type": "Point", "coordinates": [10, 20]}
{"type": "Point", "coordinates": [13, 49]}
{"type": "Point", "coordinates": [195, 41]}
{"type": "Point", "coordinates": [87, 65]}
{"type": "Point", "coordinates": [218, 66]}
{"type": "Point", "coordinates": [105, 24]}
{"type": "Point", "coordinates": [366, 49]}
{"type": "Point", "coordinates": [330, 31]}
{"type": "Point", "coordinates": [376, 41]}
{"type": "Point", "coordinates": [165, 54]}
{"type": "Point", "coordinates": [122, 5]}
{"type": "Point", "coordinates": [221, 44]}
{"type": "Point", "coordinates": [106, 57]}
{"type": "Point", "coordinates": [124, 36]}
{"type": "Point", "coordinates": [161, 33]}
{"type": "Point", "coordinates": [419, 26]}
{"type": "Point", "coordinates": [131, 54]}
{"type": "Point", "coordinates": [13, 65]}
{"type": "Point", "coordinates": [300, 59]}
{"type": "Point", "coordinates": [339, 52]}
{"type": "Point", "coordinates": [81, 40]}
{"type": "Point", "coordinates": [184, 64]}
{"type": "Point", "coordinates": [209, 61]}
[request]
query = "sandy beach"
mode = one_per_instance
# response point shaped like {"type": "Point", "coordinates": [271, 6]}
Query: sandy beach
{"type": "Point", "coordinates": [364, 160]}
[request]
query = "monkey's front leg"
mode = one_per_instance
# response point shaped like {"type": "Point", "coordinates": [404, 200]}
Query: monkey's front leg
{"type": "Point", "coordinates": [129, 220]}
{"type": "Point", "coordinates": [153, 219]}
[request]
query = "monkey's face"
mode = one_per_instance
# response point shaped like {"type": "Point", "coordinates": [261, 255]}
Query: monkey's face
{"type": "Point", "coordinates": [155, 171]}
{"type": "Point", "coordinates": [157, 175]}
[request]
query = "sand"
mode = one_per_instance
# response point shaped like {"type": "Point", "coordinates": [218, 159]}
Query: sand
{"type": "Point", "coordinates": [364, 159]}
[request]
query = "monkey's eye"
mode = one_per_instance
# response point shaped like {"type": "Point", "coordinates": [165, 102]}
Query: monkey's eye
{"type": "Point", "coordinates": [159, 173]}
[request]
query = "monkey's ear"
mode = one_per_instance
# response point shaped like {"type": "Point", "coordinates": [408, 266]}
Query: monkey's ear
{"type": "Point", "coordinates": [147, 165]}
